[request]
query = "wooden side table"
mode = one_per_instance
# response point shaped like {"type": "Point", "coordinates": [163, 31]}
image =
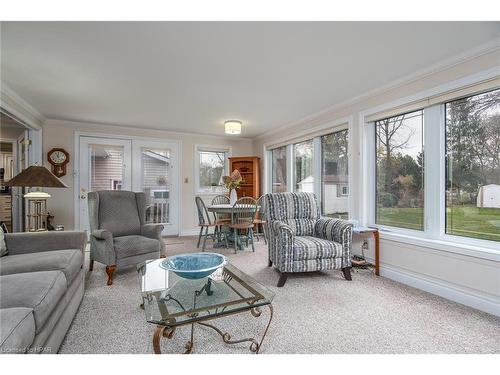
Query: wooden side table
{"type": "Point", "coordinates": [376, 237]}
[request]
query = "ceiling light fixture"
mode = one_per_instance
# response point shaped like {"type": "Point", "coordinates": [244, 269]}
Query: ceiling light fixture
{"type": "Point", "coordinates": [232, 126]}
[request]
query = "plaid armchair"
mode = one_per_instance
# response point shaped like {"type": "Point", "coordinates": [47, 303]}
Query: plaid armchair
{"type": "Point", "coordinates": [300, 240]}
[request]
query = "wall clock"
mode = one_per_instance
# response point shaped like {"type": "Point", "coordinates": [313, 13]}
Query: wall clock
{"type": "Point", "coordinates": [58, 158]}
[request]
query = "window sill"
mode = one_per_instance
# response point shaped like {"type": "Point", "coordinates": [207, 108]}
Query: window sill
{"type": "Point", "coordinates": [210, 193]}
{"type": "Point", "coordinates": [448, 246]}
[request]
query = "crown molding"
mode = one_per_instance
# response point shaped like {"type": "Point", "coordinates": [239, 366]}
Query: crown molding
{"type": "Point", "coordinates": [327, 113]}
{"type": "Point", "coordinates": [78, 124]}
{"type": "Point", "coordinates": [12, 102]}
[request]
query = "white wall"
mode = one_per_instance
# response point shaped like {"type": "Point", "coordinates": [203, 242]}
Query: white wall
{"type": "Point", "coordinates": [467, 279]}
{"type": "Point", "coordinates": [61, 134]}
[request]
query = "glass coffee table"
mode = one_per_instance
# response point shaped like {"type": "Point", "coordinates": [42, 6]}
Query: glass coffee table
{"type": "Point", "coordinates": [170, 301]}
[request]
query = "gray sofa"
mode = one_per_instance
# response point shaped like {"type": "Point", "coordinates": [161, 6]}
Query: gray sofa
{"type": "Point", "coordinates": [41, 288]}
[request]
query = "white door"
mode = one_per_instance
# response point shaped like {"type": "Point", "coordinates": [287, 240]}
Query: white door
{"type": "Point", "coordinates": [156, 173]}
{"type": "Point", "coordinates": [105, 164]}
{"type": "Point", "coordinates": [18, 202]}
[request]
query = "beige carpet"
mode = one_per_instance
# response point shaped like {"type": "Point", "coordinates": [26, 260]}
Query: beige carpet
{"type": "Point", "coordinates": [314, 313]}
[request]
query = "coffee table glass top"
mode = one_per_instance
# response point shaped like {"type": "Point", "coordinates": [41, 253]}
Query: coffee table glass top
{"type": "Point", "coordinates": [171, 300]}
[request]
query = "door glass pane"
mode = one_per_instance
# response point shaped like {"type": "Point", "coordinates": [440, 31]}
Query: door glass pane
{"type": "Point", "coordinates": [279, 169]}
{"type": "Point", "coordinates": [106, 167]}
{"type": "Point", "coordinates": [473, 166]}
{"type": "Point", "coordinates": [303, 154]}
{"type": "Point", "coordinates": [334, 174]}
{"type": "Point", "coordinates": [400, 171]}
{"type": "Point", "coordinates": [156, 184]}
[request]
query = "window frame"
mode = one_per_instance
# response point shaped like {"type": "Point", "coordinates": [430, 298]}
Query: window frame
{"type": "Point", "coordinates": [375, 167]}
{"type": "Point", "coordinates": [209, 148]}
{"type": "Point", "coordinates": [314, 134]}
{"type": "Point", "coordinates": [434, 175]}
{"type": "Point", "coordinates": [270, 168]}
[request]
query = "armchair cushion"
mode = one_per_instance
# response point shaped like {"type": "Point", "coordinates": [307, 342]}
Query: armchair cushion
{"type": "Point", "coordinates": [118, 213]}
{"type": "Point", "coordinates": [310, 248]}
{"type": "Point", "coordinates": [127, 246]}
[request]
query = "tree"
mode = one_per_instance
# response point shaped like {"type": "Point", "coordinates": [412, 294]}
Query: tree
{"type": "Point", "coordinates": [393, 134]}
{"type": "Point", "coordinates": [473, 142]}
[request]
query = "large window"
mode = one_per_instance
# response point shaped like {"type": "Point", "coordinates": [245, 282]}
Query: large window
{"type": "Point", "coordinates": [473, 166]}
{"type": "Point", "coordinates": [334, 174]}
{"type": "Point", "coordinates": [318, 165]}
{"type": "Point", "coordinates": [279, 170]}
{"type": "Point", "coordinates": [212, 165]}
{"type": "Point", "coordinates": [399, 171]}
{"type": "Point", "coordinates": [303, 166]}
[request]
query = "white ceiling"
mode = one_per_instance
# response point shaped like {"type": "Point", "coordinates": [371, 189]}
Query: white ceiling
{"type": "Point", "coordinates": [191, 76]}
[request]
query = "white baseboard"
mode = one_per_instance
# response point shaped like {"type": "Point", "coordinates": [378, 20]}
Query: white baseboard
{"type": "Point", "coordinates": [443, 289]}
{"type": "Point", "coordinates": [190, 232]}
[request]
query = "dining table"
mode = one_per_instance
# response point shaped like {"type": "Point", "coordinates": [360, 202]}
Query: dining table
{"type": "Point", "coordinates": [224, 209]}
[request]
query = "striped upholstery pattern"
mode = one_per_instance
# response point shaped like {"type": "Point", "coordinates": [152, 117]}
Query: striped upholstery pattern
{"type": "Point", "coordinates": [305, 248]}
{"type": "Point", "coordinates": [299, 240]}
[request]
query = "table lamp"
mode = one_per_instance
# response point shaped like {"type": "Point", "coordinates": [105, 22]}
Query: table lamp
{"type": "Point", "coordinates": [36, 177]}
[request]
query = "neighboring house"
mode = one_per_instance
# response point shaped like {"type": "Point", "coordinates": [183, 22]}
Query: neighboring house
{"type": "Point", "coordinates": [107, 166]}
{"type": "Point", "coordinates": [489, 196]}
{"type": "Point", "coordinates": [335, 193]}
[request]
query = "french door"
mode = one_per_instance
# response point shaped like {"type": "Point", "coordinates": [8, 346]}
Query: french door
{"type": "Point", "coordinates": [155, 172]}
{"type": "Point", "coordinates": [135, 165]}
{"type": "Point", "coordinates": [105, 164]}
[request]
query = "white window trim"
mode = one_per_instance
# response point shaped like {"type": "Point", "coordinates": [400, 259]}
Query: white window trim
{"type": "Point", "coordinates": [196, 177]}
{"type": "Point", "coordinates": [344, 123]}
{"type": "Point", "coordinates": [434, 220]}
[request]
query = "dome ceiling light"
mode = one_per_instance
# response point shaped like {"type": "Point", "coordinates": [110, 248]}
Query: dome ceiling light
{"type": "Point", "coordinates": [232, 126]}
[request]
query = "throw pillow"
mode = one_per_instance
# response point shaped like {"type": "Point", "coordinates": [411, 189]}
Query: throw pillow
{"type": "Point", "coordinates": [3, 246]}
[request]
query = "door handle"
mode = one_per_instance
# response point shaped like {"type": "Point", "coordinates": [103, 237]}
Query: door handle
{"type": "Point", "coordinates": [83, 196]}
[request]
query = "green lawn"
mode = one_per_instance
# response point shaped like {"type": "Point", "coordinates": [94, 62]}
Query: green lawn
{"type": "Point", "coordinates": [468, 221]}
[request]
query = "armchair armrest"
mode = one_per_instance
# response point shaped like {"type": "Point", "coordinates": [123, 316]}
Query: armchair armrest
{"type": "Point", "coordinates": [29, 242]}
{"type": "Point", "coordinates": [152, 231]}
{"type": "Point", "coordinates": [101, 247]}
{"type": "Point", "coordinates": [102, 234]}
{"type": "Point", "coordinates": [283, 245]}
{"type": "Point", "coordinates": [337, 230]}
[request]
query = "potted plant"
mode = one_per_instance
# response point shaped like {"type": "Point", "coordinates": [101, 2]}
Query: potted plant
{"type": "Point", "coordinates": [232, 183]}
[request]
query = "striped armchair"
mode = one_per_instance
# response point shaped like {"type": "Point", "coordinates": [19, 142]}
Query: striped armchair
{"type": "Point", "coordinates": [300, 240]}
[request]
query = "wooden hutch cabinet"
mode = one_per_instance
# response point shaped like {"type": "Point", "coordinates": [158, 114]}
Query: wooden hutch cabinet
{"type": "Point", "coordinates": [249, 167]}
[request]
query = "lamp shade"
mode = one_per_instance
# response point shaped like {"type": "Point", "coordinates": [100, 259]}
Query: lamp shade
{"type": "Point", "coordinates": [36, 176]}
{"type": "Point", "coordinates": [232, 127]}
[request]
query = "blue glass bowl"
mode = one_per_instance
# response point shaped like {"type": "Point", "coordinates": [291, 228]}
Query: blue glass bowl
{"type": "Point", "coordinates": [195, 265]}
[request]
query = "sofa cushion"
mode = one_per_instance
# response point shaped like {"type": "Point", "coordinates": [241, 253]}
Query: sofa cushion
{"type": "Point", "coordinates": [306, 248]}
{"type": "Point", "coordinates": [17, 330]}
{"type": "Point", "coordinates": [40, 291]}
{"type": "Point", "coordinates": [127, 246]}
{"type": "Point", "coordinates": [68, 261]}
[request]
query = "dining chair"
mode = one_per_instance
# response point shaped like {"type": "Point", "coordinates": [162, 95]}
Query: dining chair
{"type": "Point", "coordinates": [221, 219]}
{"type": "Point", "coordinates": [260, 219]}
{"type": "Point", "coordinates": [204, 222]}
{"type": "Point", "coordinates": [242, 217]}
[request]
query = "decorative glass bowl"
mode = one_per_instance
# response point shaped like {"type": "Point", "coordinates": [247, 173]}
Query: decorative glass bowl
{"type": "Point", "coordinates": [194, 265]}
